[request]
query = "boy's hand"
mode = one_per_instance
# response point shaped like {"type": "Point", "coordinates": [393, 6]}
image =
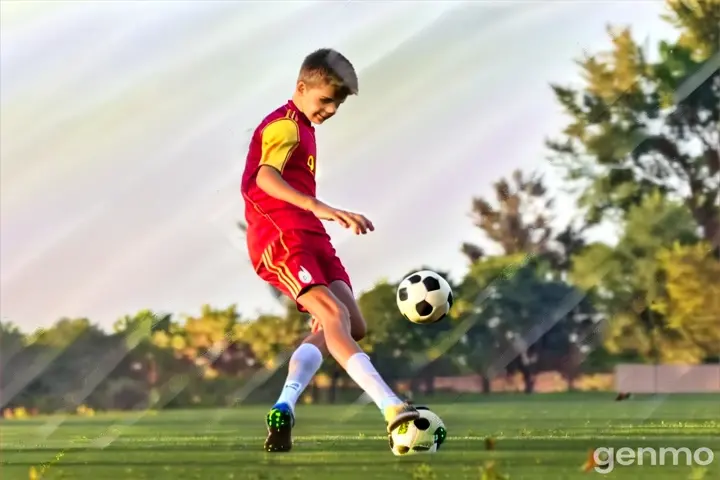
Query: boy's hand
{"type": "Point", "coordinates": [354, 221]}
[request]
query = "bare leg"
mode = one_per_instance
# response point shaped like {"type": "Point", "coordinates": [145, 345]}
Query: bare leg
{"type": "Point", "coordinates": [334, 316]}
{"type": "Point", "coordinates": [308, 357]}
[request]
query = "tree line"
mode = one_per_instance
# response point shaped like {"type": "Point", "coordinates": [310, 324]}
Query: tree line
{"type": "Point", "coordinates": [641, 151]}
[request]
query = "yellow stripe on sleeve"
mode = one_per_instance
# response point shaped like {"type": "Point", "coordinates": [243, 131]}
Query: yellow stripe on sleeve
{"type": "Point", "coordinates": [280, 138]}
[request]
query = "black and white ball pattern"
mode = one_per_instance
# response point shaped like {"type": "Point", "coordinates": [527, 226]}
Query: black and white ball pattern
{"type": "Point", "coordinates": [424, 297]}
{"type": "Point", "coordinates": [421, 436]}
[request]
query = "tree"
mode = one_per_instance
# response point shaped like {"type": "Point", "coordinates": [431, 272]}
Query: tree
{"type": "Point", "coordinates": [520, 221]}
{"type": "Point", "coordinates": [692, 300]}
{"type": "Point", "coordinates": [639, 126]}
{"type": "Point", "coordinates": [11, 341]}
{"type": "Point", "coordinates": [144, 323]}
{"type": "Point", "coordinates": [140, 372]}
{"type": "Point", "coordinates": [210, 332]}
{"type": "Point", "coordinates": [626, 280]}
{"type": "Point", "coordinates": [533, 253]}
{"type": "Point", "coordinates": [67, 331]}
{"type": "Point", "coordinates": [269, 336]}
{"type": "Point", "coordinates": [483, 340]}
{"type": "Point", "coordinates": [524, 321]}
{"type": "Point", "coordinates": [58, 361]}
{"type": "Point", "coordinates": [12, 345]}
{"type": "Point", "coordinates": [206, 342]}
{"type": "Point", "coordinates": [569, 242]}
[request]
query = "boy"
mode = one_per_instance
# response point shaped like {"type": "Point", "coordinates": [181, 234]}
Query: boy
{"type": "Point", "coordinates": [291, 251]}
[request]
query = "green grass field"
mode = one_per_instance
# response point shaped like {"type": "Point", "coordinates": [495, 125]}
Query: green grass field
{"type": "Point", "coordinates": [538, 437]}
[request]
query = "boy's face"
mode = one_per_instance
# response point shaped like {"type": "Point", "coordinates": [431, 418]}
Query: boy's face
{"type": "Point", "coordinates": [319, 102]}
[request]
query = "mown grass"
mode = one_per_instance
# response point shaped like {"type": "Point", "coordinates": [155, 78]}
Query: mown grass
{"type": "Point", "coordinates": [535, 438]}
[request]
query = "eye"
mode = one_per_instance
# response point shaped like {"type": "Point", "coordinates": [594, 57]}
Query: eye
{"type": "Point", "coordinates": [326, 100]}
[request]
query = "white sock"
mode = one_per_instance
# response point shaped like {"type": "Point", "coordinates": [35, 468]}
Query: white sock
{"type": "Point", "coordinates": [363, 372]}
{"type": "Point", "coordinates": [303, 365]}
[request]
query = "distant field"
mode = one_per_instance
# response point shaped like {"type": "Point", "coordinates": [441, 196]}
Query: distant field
{"type": "Point", "coordinates": [539, 437]}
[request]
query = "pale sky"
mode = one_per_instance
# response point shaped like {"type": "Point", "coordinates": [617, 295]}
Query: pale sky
{"type": "Point", "coordinates": [124, 127]}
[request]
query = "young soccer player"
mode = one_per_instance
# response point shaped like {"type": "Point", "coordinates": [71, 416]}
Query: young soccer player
{"type": "Point", "coordinates": [291, 250]}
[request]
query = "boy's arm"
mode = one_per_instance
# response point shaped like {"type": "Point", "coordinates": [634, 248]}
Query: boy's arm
{"type": "Point", "coordinates": [270, 181]}
{"type": "Point", "coordinates": [279, 140]}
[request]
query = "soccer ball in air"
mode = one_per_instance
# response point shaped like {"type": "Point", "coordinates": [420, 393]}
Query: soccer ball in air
{"type": "Point", "coordinates": [424, 297]}
{"type": "Point", "coordinates": [422, 435]}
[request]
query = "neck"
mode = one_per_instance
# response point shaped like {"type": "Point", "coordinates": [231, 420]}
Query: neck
{"type": "Point", "coordinates": [298, 103]}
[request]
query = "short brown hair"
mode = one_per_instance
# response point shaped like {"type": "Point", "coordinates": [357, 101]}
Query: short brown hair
{"type": "Point", "coordinates": [330, 66]}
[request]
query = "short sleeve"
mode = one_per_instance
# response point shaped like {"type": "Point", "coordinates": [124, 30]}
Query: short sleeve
{"type": "Point", "coordinates": [280, 138]}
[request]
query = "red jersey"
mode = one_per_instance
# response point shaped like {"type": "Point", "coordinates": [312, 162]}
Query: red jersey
{"type": "Point", "coordinates": [284, 140]}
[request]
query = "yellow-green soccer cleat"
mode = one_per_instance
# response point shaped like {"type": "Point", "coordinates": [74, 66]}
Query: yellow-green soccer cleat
{"type": "Point", "coordinates": [396, 415]}
{"type": "Point", "coordinates": [280, 421]}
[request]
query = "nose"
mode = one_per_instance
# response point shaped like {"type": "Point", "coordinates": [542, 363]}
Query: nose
{"type": "Point", "coordinates": [331, 109]}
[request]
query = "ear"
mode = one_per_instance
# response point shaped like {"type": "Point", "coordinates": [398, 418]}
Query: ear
{"type": "Point", "coordinates": [300, 87]}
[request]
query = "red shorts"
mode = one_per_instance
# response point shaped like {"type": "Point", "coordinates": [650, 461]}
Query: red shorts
{"type": "Point", "coordinates": [298, 260]}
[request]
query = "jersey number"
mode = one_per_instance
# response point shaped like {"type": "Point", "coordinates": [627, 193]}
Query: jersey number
{"type": "Point", "coordinates": [311, 164]}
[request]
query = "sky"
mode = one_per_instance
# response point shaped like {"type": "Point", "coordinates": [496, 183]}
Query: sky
{"type": "Point", "coordinates": [124, 128]}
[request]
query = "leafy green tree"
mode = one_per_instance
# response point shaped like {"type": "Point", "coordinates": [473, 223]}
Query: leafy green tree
{"type": "Point", "coordinates": [67, 331]}
{"type": "Point", "coordinates": [144, 323]}
{"type": "Point", "coordinates": [519, 222]}
{"type": "Point", "coordinates": [52, 370]}
{"type": "Point", "coordinates": [270, 336]}
{"type": "Point", "coordinates": [12, 345]}
{"type": "Point", "coordinates": [476, 313]}
{"type": "Point", "coordinates": [691, 303]}
{"type": "Point", "coordinates": [12, 341]}
{"type": "Point", "coordinates": [626, 280]}
{"type": "Point", "coordinates": [210, 332]}
{"type": "Point", "coordinates": [145, 363]}
{"type": "Point", "coordinates": [638, 126]}
{"type": "Point", "coordinates": [526, 321]}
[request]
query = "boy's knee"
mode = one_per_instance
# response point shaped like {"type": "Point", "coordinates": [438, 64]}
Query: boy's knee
{"type": "Point", "coordinates": [338, 312]}
{"type": "Point", "coordinates": [325, 307]}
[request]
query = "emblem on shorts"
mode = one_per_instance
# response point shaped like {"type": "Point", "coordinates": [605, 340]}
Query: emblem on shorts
{"type": "Point", "coordinates": [304, 276]}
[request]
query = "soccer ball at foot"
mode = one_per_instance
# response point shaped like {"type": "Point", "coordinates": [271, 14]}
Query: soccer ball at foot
{"type": "Point", "coordinates": [424, 297]}
{"type": "Point", "coordinates": [422, 435]}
